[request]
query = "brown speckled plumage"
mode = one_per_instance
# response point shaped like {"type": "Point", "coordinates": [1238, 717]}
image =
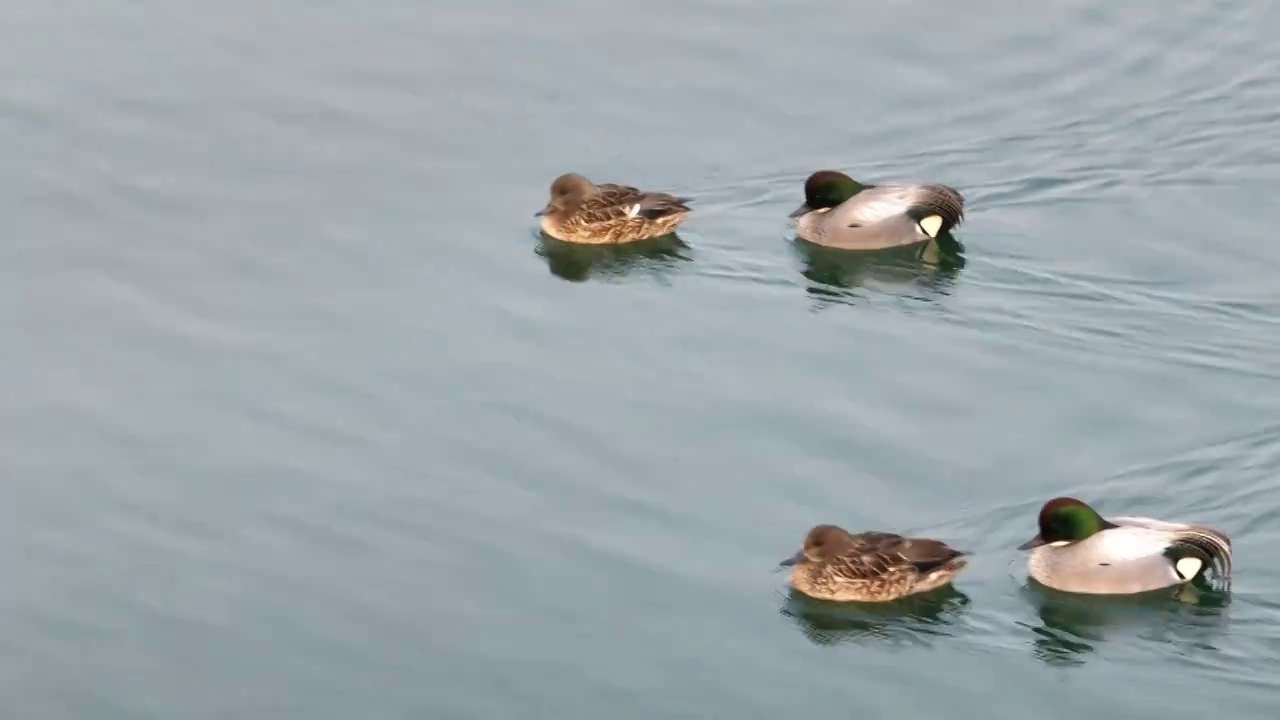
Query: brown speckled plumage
{"type": "Point", "coordinates": [583, 212]}
{"type": "Point", "coordinates": [871, 566]}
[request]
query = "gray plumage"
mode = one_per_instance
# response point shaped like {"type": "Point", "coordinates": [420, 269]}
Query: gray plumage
{"type": "Point", "coordinates": [840, 212]}
{"type": "Point", "coordinates": [1123, 555]}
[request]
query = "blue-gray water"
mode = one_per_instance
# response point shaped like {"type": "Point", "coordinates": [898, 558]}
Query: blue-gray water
{"type": "Point", "coordinates": [300, 420]}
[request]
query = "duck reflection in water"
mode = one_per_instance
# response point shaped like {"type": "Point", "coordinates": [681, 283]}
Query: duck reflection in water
{"type": "Point", "coordinates": [1073, 626]}
{"type": "Point", "coordinates": [577, 262]}
{"type": "Point", "coordinates": [914, 620]}
{"type": "Point", "coordinates": [835, 274]}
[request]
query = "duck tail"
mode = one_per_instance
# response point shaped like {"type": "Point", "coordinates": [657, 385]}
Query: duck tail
{"type": "Point", "coordinates": [937, 556]}
{"type": "Point", "coordinates": [1198, 550]}
{"type": "Point", "coordinates": [938, 210]}
{"type": "Point", "coordinates": [952, 564]}
{"type": "Point", "coordinates": [656, 206]}
{"type": "Point", "coordinates": [934, 575]}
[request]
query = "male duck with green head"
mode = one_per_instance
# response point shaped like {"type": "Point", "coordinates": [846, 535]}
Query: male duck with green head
{"type": "Point", "coordinates": [841, 212]}
{"type": "Point", "coordinates": [1079, 551]}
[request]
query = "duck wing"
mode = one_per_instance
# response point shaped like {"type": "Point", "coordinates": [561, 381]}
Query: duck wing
{"type": "Point", "coordinates": [626, 201]}
{"type": "Point", "coordinates": [875, 554]}
{"type": "Point", "coordinates": [878, 203]}
{"type": "Point", "coordinates": [1191, 549]}
{"type": "Point", "coordinates": [1150, 554]}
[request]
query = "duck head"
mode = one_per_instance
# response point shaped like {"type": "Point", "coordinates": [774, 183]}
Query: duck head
{"type": "Point", "coordinates": [1066, 520]}
{"type": "Point", "coordinates": [567, 193]}
{"type": "Point", "coordinates": [822, 542]}
{"type": "Point", "coordinates": [826, 189]}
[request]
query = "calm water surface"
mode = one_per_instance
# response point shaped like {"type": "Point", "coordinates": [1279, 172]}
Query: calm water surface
{"type": "Point", "coordinates": [302, 419]}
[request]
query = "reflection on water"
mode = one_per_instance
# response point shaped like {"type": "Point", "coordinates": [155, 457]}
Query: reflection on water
{"type": "Point", "coordinates": [577, 262]}
{"type": "Point", "coordinates": [262, 402]}
{"type": "Point", "coordinates": [912, 620]}
{"type": "Point", "coordinates": [834, 274]}
{"type": "Point", "coordinates": [1074, 626]}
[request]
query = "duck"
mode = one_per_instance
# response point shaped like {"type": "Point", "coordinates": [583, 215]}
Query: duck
{"type": "Point", "coordinates": [1079, 551]}
{"type": "Point", "coordinates": [840, 566]}
{"type": "Point", "coordinates": [841, 212]}
{"type": "Point", "coordinates": [580, 211]}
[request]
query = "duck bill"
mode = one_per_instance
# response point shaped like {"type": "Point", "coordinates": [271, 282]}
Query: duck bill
{"type": "Point", "coordinates": [1033, 543]}
{"type": "Point", "coordinates": [804, 208]}
{"type": "Point", "coordinates": [791, 560]}
{"type": "Point", "coordinates": [545, 210]}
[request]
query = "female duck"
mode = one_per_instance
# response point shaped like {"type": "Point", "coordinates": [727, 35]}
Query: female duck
{"type": "Point", "coordinates": [871, 566]}
{"type": "Point", "coordinates": [841, 212]}
{"type": "Point", "coordinates": [1080, 552]}
{"type": "Point", "coordinates": [582, 212]}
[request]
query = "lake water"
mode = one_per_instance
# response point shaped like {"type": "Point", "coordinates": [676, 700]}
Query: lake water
{"type": "Point", "coordinates": [302, 419]}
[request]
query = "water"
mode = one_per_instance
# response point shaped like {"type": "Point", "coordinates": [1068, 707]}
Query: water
{"type": "Point", "coordinates": [302, 420]}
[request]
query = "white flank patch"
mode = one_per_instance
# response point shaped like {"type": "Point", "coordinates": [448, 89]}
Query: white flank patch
{"type": "Point", "coordinates": [633, 211]}
{"type": "Point", "coordinates": [1128, 543]}
{"type": "Point", "coordinates": [931, 224]}
{"type": "Point", "coordinates": [1187, 567]}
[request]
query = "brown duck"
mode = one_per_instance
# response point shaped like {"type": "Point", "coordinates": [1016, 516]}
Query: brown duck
{"type": "Point", "coordinates": [837, 565]}
{"type": "Point", "coordinates": [582, 212]}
